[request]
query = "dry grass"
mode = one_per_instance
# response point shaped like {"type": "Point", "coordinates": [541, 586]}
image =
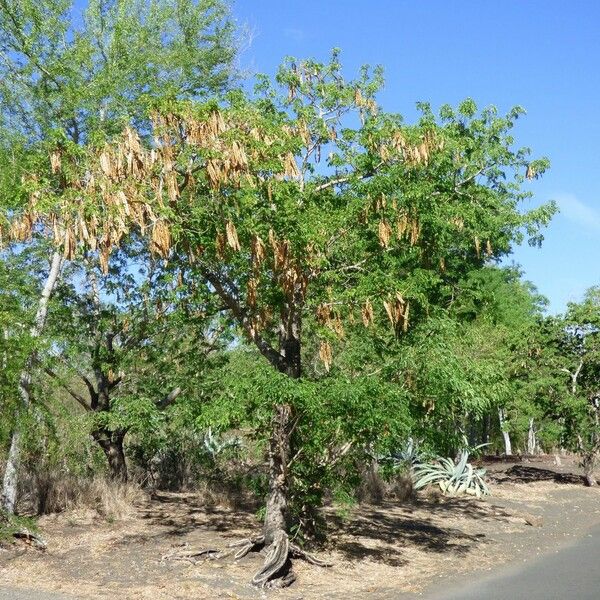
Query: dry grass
{"type": "Point", "coordinates": [52, 492]}
{"type": "Point", "coordinates": [225, 494]}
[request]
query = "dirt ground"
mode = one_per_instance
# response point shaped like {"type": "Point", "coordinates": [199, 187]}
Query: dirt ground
{"type": "Point", "coordinates": [384, 552]}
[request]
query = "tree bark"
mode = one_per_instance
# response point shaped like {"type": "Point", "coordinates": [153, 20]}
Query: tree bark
{"type": "Point", "coordinates": [277, 569]}
{"type": "Point", "coordinates": [112, 446]}
{"type": "Point", "coordinates": [531, 438]}
{"type": "Point", "coordinates": [589, 465]}
{"type": "Point", "coordinates": [11, 473]}
{"type": "Point", "coordinates": [279, 452]}
{"type": "Point", "coordinates": [505, 434]}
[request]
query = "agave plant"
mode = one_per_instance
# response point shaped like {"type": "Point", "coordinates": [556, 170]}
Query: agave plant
{"type": "Point", "coordinates": [214, 445]}
{"type": "Point", "coordinates": [452, 478]}
{"type": "Point", "coordinates": [409, 455]}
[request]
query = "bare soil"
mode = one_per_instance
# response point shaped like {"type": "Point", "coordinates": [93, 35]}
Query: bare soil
{"type": "Point", "coordinates": [389, 551]}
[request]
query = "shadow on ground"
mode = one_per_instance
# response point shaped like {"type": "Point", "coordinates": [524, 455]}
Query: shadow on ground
{"type": "Point", "coordinates": [526, 474]}
{"type": "Point", "coordinates": [382, 533]}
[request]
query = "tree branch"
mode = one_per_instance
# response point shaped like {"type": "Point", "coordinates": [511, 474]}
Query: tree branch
{"type": "Point", "coordinates": [80, 399]}
{"type": "Point", "coordinates": [228, 294]}
{"type": "Point", "coordinates": [169, 398]}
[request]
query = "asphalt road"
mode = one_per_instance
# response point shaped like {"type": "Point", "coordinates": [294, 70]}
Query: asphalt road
{"type": "Point", "coordinates": [572, 573]}
{"type": "Point", "coordinates": [12, 594]}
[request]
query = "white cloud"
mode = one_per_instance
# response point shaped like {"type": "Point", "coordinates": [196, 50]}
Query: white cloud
{"type": "Point", "coordinates": [293, 33]}
{"type": "Point", "coordinates": [575, 210]}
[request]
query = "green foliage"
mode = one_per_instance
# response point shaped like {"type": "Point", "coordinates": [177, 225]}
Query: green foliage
{"type": "Point", "coordinates": [11, 524]}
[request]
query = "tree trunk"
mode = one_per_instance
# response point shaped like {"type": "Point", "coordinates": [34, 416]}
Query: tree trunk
{"type": "Point", "coordinates": [589, 464]}
{"type": "Point", "coordinates": [505, 435]}
{"type": "Point", "coordinates": [9, 486]}
{"type": "Point", "coordinates": [277, 569]}
{"type": "Point", "coordinates": [11, 473]}
{"type": "Point", "coordinates": [279, 452]}
{"type": "Point", "coordinates": [531, 439]}
{"type": "Point", "coordinates": [112, 446]}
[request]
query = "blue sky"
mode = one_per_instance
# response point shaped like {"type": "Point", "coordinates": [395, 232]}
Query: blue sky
{"type": "Point", "coordinates": [542, 55]}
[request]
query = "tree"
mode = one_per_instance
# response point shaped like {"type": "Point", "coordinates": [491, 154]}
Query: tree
{"type": "Point", "coordinates": [63, 84]}
{"type": "Point", "coordinates": [119, 343]}
{"type": "Point", "coordinates": [503, 312]}
{"type": "Point", "coordinates": [310, 204]}
{"type": "Point", "coordinates": [571, 359]}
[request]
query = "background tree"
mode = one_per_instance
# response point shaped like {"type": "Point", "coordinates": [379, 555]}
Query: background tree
{"type": "Point", "coordinates": [65, 81]}
{"type": "Point", "coordinates": [123, 342]}
{"type": "Point", "coordinates": [568, 355]}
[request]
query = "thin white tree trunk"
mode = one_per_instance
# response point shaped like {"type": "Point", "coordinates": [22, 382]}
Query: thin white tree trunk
{"type": "Point", "coordinates": [11, 473]}
{"type": "Point", "coordinates": [505, 435]}
{"type": "Point", "coordinates": [531, 439]}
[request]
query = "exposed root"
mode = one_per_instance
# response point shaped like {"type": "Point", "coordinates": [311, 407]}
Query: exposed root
{"type": "Point", "coordinates": [192, 556]}
{"type": "Point", "coordinates": [277, 570]}
{"type": "Point", "coordinates": [297, 552]}
{"type": "Point", "coordinates": [30, 538]}
{"type": "Point", "coordinates": [245, 546]}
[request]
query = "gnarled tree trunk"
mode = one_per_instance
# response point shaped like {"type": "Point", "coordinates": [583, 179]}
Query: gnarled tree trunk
{"type": "Point", "coordinates": [111, 443]}
{"type": "Point", "coordinates": [11, 472]}
{"type": "Point", "coordinates": [277, 570]}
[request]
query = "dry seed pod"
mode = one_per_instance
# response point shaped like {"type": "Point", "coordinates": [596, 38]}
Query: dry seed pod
{"type": "Point", "coordinates": [258, 250]}
{"type": "Point", "coordinates": [106, 164]}
{"type": "Point", "coordinates": [398, 141]}
{"type": "Point", "coordinates": [172, 187]}
{"type": "Point", "coordinates": [530, 173]}
{"type": "Point", "coordinates": [459, 223]}
{"type": "Point", "coordinates": [161, 238]}
{"type": "Point", "coordinates": [290, 168]}
{"type": "Point", "coordinates": [232, 236]}
{"type": "Point", "coordinates": [488, 248]}
{"type": "Point", "coordinates": [367, 313]}
{"type": "Point", "coordinates": [304, 132]}
{"type": "Point", "coordinates": [324, 313]}
{"type": "Point", "coordinates": [325, 354]}
{"type": "Point", "coordinates": [337, 326]}
{"type": "Point", "coordinates": [415, 232]}
{"type": "Point", "coordinates": [477, 247]}
{"type": "Point", "coordinates": [281, 254]}
{"type": "Point", "coordinates": [55, 161]}
{"type": "Point", "coordinates": [214, 173]}
{"type": "Point", "coordinates": [238, 155]}
{"type": "Point", "coordinates": [385, 233]}
{"type": "Point", "coordinates": [405, 318]}
{"type": "Point", "coordinates": [251, 293]}
{"type": "Point", "coordinates": [391, 313]}
{"type": "Point", "coordinates": [401, 226]}
{"type": "Point", "coordinates": [358, 97]}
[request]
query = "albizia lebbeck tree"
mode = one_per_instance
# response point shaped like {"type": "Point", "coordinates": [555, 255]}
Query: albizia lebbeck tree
{"type": "Point", "coordinates": [305, 203]}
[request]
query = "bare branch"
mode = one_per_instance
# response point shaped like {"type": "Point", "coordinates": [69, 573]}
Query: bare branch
{"type": "Point", "coordinates": [80, 399]}
{"type": "Point", "coordinates": [230, 297]}
{"type": "Point", "coordinates": [169, 398]}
